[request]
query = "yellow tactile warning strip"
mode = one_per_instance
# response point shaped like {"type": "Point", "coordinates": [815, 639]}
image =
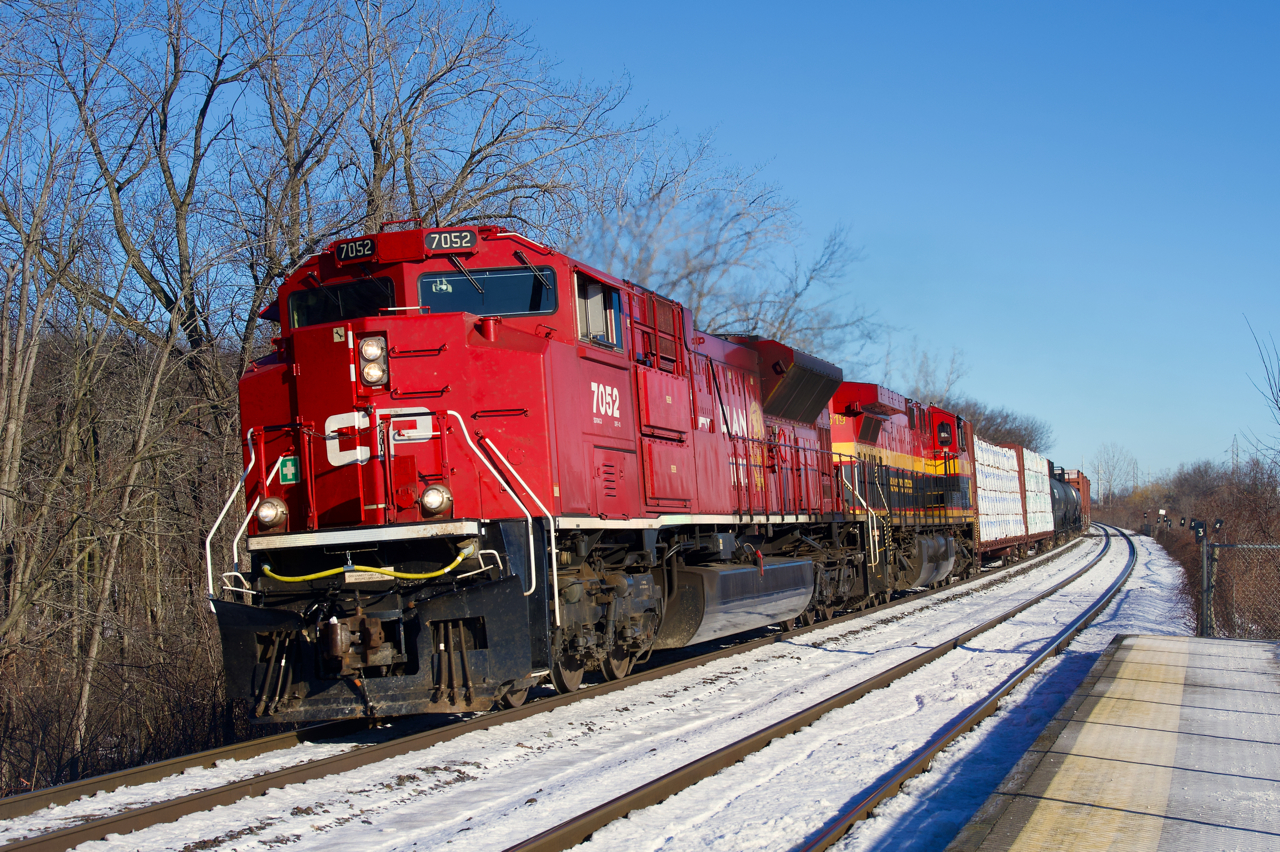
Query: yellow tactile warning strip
{"type": "Point", "coordinates": [1172, 743]}
{"type": "Point", "coordinates": [1110, 790]}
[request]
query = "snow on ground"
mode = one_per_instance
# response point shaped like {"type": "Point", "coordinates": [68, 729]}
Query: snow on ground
{"type": "Point", "coordinates": [788, 791]}
{"type": "Point", "coordinates": [193, 780]}
{"type": "Point", "coordinates": [933, 807]}
{"type": "Point", "coordinates": [489, 788]}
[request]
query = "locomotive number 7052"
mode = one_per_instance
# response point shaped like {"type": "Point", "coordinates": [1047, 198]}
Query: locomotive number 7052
{"type": "Point", "coordinates": [604, 399]}
{"type": "Point", "coordinates": [355, 250]}
{"type": "Point", "coordinates": [451, 240]}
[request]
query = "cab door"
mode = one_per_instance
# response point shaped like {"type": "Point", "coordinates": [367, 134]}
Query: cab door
{"type": "Point", "coordinates": [605, 429]}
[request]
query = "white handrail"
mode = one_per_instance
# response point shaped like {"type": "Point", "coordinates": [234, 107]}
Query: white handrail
{"type": "Point", "coordinates": [208, 542]}
{"type": "Point", "coordinates": [235, 542]}
{"type": "Point", "coordinates": [533, 575]}
{"type": "Point", "coordinates": [872, 521]}
{"type": "Point", "coordinates": [555, 581]}
{"type": "Point", "coordinates": [229, 586]}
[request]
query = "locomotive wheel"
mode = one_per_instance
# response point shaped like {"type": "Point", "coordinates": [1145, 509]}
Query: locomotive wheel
{"type": "Point", "coordinates": [617, 665]}
{"type": "Point", "coordinates": [515, 698]}
{"type": "Point", "coordinates": [567, 675]}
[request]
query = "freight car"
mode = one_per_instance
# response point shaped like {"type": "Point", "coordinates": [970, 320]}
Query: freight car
{"type": "Point", "coordinates": [473, 463]}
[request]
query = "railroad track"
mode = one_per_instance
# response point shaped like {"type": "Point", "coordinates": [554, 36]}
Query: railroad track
{"type": "Point", "coordinates": [167, 811]}
{"type": "Point", "coordinates": [573, 831]}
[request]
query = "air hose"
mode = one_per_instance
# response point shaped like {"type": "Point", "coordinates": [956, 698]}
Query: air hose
{"type": "Point", "coordinates": [467, 551]}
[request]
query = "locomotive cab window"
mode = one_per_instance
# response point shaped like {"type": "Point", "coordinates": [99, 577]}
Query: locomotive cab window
{"type": "Point", "coordinates": [339, 302]}
{"type": "Point", "coordinates": [599, 312]}
{"type": "Point", "coordinates": [944, 434]}
{"type": "Point", "coordinates": [960, 435]}
{"type": "Point", "coordinates": [489, 292]}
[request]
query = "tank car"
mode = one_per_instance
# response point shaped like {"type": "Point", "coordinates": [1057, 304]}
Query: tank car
{"type": "Point", "coordinates": [1067, 506]}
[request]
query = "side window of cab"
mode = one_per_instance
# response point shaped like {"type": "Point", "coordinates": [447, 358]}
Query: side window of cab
{"type": "Point", "coordinates": [599, 312]}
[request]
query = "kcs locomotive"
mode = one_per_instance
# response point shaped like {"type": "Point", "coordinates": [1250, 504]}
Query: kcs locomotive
{"type": "Point", "coordinates": [474, 463]}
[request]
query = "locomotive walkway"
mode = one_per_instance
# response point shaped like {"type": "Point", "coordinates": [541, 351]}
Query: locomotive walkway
{"type": "Point", "coordinates": [1171, 743]}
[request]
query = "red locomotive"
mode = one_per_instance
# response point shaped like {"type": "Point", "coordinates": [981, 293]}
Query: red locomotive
{"type": "Point", "coordinates": [473, 463]}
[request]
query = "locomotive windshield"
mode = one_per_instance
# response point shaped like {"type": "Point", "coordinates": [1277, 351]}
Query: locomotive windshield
{"type": "Point", "coordinates": [338, 302]}
{"type": "Point", "coordinates": [500, 292]}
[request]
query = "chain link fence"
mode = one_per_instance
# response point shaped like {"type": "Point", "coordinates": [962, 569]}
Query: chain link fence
{"type": "Point", "coordinates": [1240, 591]}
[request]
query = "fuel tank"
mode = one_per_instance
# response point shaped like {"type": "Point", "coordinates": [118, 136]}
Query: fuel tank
{"type": "Point", "coordinates": [723, 598]}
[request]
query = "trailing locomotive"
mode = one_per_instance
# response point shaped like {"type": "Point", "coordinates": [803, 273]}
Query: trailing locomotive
{"type": "Point", "coordinates": [473, 463]}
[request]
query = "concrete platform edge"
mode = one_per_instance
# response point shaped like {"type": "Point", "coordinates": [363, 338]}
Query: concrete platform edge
{"type": "Point", "coordinates": [980, 824]}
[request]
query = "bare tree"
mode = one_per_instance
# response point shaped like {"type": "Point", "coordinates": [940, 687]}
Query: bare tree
{"type": "Point", "coordinates": [1003, 426]}
{"type": "Point", "coordinates": [284, 196]}
{"type": "Point", "coordinates": [680, 222]}
{"type": "Point", "coordinates": [152, 90]}
{"type": "Point", "coordinates": [807, 306]}
{"type": "Point", "coordinates": [925, 375]}
{"type": "Point", "coordinates": [1112, 464]}
{"type": "Point", "coordinates": [460, 121]}
{"type": "Point", "coordinates": [1269, 387]}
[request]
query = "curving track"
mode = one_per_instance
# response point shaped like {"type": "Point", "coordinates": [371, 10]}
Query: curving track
{"type": "Point", "coordinates": [815, 750]}
{"type": "Point", "coordinates": [720, 682]}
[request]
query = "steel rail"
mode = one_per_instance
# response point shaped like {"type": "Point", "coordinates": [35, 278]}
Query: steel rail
{"type": "Point", "coordinates": [23, 804]}
{"type": "Point", "coordinates": [922, 759]}
{"type": "Point", "coordinates": [577, 829]}
{"type": "Point", "coordinates": [171, 810]}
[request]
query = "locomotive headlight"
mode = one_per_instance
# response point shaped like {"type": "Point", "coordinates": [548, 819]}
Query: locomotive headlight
{"type": "Point", "coordinates": [373, 360]}
{"type": "Point", "coordinates": [436, 499]}
{"type": "Point", "coordinates": [271, 512]}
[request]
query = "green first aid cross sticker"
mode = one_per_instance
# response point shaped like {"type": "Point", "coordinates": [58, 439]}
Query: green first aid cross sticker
{"type": "Point", "coordinates": [289, 470]}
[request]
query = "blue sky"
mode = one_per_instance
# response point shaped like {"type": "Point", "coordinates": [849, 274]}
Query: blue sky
{"type": "Point", "coordinates": [1083, 197]}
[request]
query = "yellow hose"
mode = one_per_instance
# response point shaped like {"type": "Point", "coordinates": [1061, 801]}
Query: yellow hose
{"type": "Point", "coordinates": [462, 554]}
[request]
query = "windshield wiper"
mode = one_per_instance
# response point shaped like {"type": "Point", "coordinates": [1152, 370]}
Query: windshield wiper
{"type": "Point", "coordinates": [537, 273]}
{"type": "Point", "coordinates": [457, 264]}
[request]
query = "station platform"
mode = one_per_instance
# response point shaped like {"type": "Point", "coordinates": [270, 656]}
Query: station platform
{"type": "Point", "coordinates": [1170, 743]}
